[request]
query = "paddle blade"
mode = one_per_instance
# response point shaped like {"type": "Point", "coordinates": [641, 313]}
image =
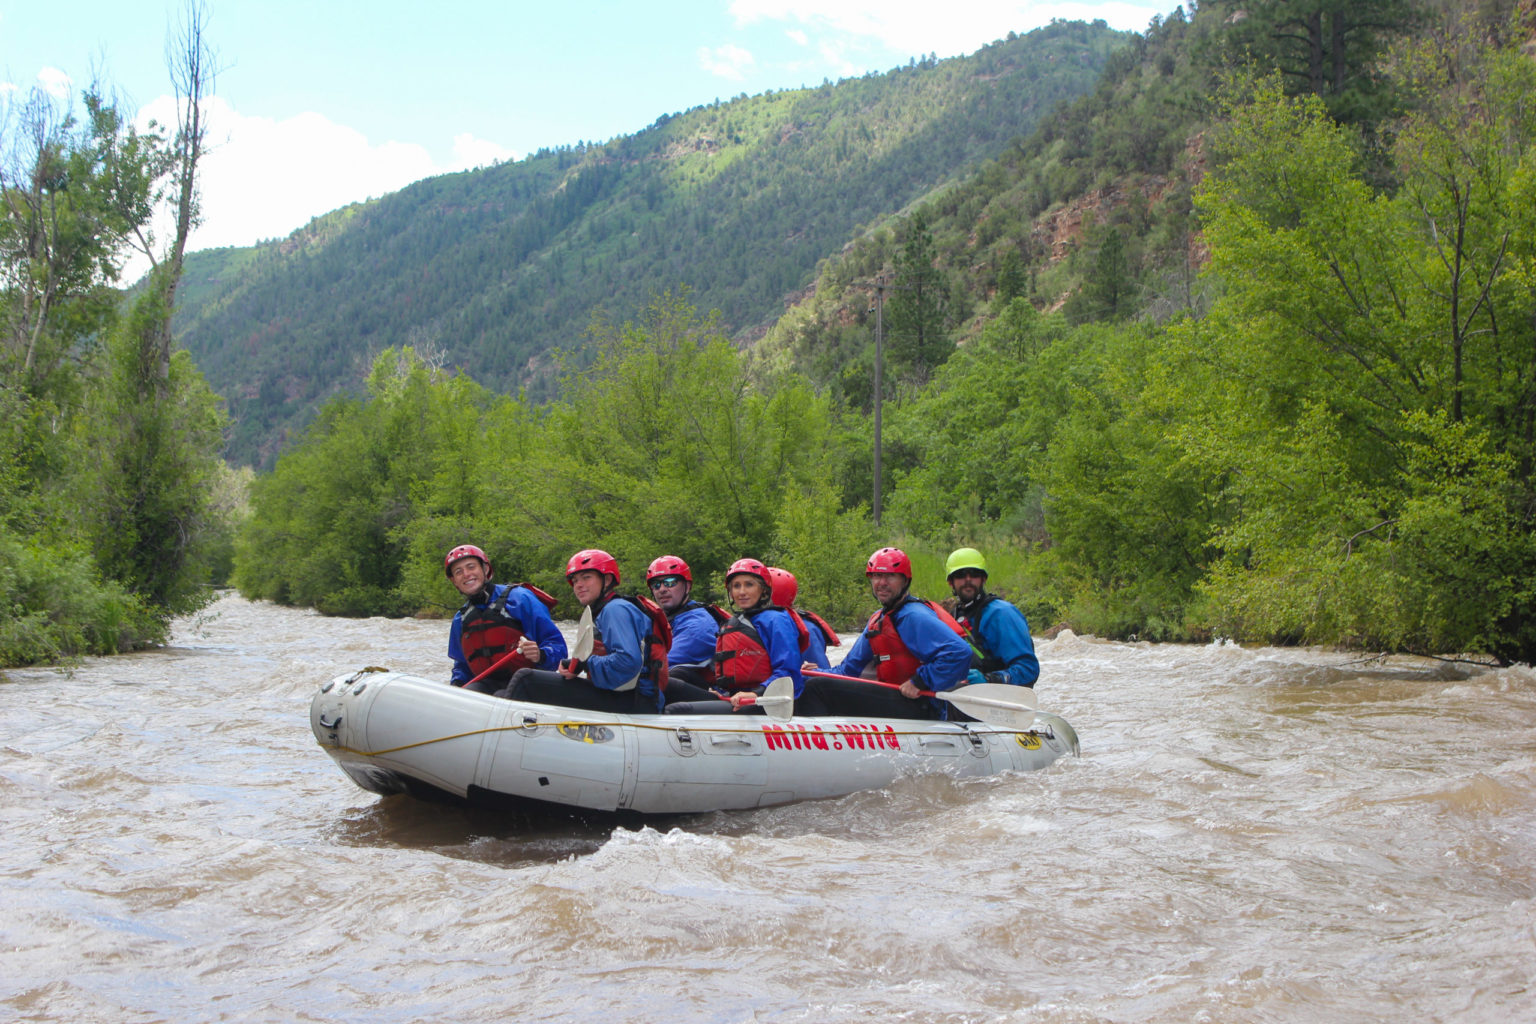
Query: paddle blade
{"type": "Point", "coordinates": [584, 630]}
{"type": "Point", "coordinates": [778, 699]}
{"type": "Point", "coordinates": [1012, 707]}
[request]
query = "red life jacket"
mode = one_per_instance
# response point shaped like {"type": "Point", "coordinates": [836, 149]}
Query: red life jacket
{"type": "Point", "coordinates": [893, 662]}
{"type": "Point", "coordinates": [657, 639]}
{"type": "Point", "coordinates": [486, 633]}
{"type": "Point", "coordinates": [827, 631]}
{"type": "Point", "coordinates": [741, 660]}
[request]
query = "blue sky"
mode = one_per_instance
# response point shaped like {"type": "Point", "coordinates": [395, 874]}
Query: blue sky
{"type": "Point", "coordinates": [323, 102]}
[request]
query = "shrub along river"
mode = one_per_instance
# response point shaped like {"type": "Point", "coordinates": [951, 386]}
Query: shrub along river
{"type": "Point", "coordinates": [1249, 835]}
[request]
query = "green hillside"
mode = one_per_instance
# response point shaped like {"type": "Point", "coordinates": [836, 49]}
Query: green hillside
{"type": "Point", "coordinates": [1092, 214]}
{"type": "Point", "coordinates": [497, 268]}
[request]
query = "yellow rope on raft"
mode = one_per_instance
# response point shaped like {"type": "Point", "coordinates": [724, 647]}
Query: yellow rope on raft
{"type": "Point", "coordinates": [638, 725]}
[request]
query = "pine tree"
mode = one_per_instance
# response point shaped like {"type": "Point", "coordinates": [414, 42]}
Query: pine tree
{"type": "Point", "coordinates": [917, 316]}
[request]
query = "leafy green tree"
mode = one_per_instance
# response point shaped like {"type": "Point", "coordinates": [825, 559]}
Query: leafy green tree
{"type": "Point", "coordinates": [1132, 517]}
{"type": "Point", "coordinates": [149, 507]}
{"type": "Point", "coordinates": [71, 196]}
{"type": "Point", "coordinates": [1369, 373]}
{"type": "Point", "coordinates": [825, 545]}
{"type": "Point", "coordinates": [673, 447]}
{"type": "Point", "coordinates": [981, 428]}
{"type": "Point", "coordinates": [58, 607]}
{"type": "Point", "coordinates": [111, 439]}
{"type": "Point", "coordinates": [331, 525]}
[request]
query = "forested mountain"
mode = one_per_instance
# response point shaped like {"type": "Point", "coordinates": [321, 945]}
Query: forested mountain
{"type": "Point", "coordinates": [1238, 345]}
{"type": "Point", "coordinates": [493, 269]}
{"type": "Point", "coordinates": [1092, 214]}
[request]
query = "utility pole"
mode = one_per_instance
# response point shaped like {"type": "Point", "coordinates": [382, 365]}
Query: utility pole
{"type": "Point", "coordinates": [879, 380]}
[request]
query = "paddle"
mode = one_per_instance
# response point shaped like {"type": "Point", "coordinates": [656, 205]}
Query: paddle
{"type": "Point", "coordinates": [583, 649]}
{"type": "Point", "coordinates": [778, 699]}
{"type": "Point", "coordinates": [494, 666]}
{"type": "Point", "coordinates": [993, 703]}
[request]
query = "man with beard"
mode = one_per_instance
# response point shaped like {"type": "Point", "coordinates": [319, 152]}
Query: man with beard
{"type": "Point", "coordinates": [996, 628]}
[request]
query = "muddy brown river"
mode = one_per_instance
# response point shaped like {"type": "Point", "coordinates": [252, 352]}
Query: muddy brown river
{"type": "Point", "coordinates": [1250, 835]}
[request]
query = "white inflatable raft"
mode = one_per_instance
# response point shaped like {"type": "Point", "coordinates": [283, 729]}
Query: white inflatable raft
{"type": "Point", "coordinates": [396, 733]}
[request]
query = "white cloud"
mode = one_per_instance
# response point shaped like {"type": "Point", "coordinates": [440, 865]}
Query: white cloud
{"type": "Point", "coordinates": [262, 178]}
{"type": "Point", "coordinates": [911, 27]}
{"type": "Point", "coordinates": [727, 61]}
{"type": "Point", "coordinates": [469, 152]}
{"type": "Point", "coordinates": [55, 82]}
{"type": "Point", "coordinates": [841, 55]}
{"type": "Point", "coordinates": [797, 37]}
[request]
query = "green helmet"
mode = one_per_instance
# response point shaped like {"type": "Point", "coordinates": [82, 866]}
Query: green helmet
{"type": "Point", "coordinates": [964, 558]}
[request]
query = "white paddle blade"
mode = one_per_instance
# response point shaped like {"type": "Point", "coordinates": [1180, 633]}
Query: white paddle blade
{"type": "Point", "coordinates": [584, 630]}
{"type": "Point", "coordinates": [778, 699]}
{"type": "Point", "coordinates": [1012, 707]}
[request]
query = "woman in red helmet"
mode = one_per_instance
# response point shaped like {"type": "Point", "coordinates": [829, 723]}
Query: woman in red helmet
{"type": "Point", "coordinates": [759, 643]}
{"type": "Point", "coordinates": [501, 627]}
{"type": "Point", "coordinates": [628, 665]}
{"type": "Point", "coordinates": [909, 641]}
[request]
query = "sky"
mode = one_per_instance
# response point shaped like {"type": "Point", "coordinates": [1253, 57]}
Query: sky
{"type": "Point", "coordinates": [320, 103]}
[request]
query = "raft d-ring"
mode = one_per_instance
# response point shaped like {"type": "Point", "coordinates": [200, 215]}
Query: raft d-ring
{"type": "Point", "coordinates": [365, 670]}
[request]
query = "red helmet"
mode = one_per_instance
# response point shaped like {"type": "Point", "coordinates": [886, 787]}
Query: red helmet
{"type": "Point", "coordinates": [890, 560]}
{"type": "Point", "coordinates": [464, 551]}
{"type": "Point", "coordinates": [592, 558]}
{"type": "Point", "coordinates": [752, 567]}
{"type": "Point", "coordinates": [784, 586]}
{"type": "Point", "coordinates": [668, 565]}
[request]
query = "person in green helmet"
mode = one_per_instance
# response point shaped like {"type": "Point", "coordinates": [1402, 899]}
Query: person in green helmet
{"type": "Point", "coordinates": [996, 628]}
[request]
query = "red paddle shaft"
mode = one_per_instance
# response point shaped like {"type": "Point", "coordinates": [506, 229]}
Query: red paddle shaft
{"type": "Point", "coordinates": [861, 679]}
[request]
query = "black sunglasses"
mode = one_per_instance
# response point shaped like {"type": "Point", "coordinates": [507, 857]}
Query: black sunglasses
{"type": "Point", "coordinates": [666, 581]}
